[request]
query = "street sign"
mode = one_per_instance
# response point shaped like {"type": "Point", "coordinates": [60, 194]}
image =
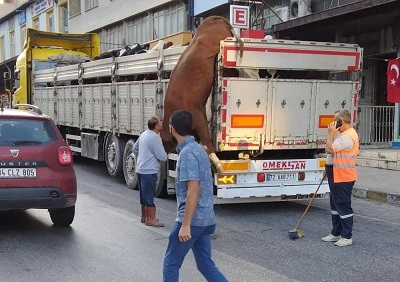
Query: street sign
{"type": "Point", "coordinates": [239, 16]}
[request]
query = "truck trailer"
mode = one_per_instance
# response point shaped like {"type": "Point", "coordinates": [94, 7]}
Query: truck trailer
{"type": "Point", "coordinates": [268, 113]}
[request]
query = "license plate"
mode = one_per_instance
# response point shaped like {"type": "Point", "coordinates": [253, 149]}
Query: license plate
{"type": "Point", "coordinates": [17, 172]}
{"type": "Point", "coordinates": [281, 176]}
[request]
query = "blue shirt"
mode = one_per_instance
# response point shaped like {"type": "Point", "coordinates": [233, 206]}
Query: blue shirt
{"type": "Point", "coordinates": [193, 164]}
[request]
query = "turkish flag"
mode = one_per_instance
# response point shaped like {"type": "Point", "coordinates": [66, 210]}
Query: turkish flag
{"type": "Point", "coordinates": [393, 81]}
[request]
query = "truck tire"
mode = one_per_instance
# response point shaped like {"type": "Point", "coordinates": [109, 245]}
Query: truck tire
{"type": "Point", "coordinates": [62, 217]}
{"type": "Point", "coordinates": [114, 152]}
{"type": "Point", "coordinates": [129, 166]}
{"type": "Point", "coordinates": [161, 188]}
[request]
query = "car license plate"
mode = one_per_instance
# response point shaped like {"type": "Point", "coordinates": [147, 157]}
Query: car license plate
{"type": "Point", "coordinates": [17, 172]}
{"type": "Point", "coordinates": [281, 176]}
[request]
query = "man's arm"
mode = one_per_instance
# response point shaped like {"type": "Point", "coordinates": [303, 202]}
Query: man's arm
{"type": "Point", "coordinates": [158, 150]}
{"type": "Point", "coordinates": [192, 199]}
{"type": "Point", "coordinates": [136, 147]}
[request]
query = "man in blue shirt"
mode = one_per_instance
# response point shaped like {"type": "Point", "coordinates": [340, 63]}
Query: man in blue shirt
{"type": "Point", "coordinates": [195, 220]}
{"type": "Point", "coordinates": [149, 152]}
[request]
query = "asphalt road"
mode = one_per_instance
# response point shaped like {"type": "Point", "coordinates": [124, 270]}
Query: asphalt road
{"type": "Point", "coordinates": [107, 242]}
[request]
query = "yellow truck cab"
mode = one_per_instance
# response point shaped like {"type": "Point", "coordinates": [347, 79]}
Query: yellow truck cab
{"type": "Point", "coordinates": [45, 50]}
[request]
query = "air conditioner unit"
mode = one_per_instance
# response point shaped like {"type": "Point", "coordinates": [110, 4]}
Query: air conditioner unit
{"type": "Point", "coordinates": [283, 14]}
{"type": "Point", "coordinates": [299, 8]}
{"type": "Point", "coordinates": [197, 22]}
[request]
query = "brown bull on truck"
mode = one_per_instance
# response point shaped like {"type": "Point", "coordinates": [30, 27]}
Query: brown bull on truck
{"type": "Point", "coordinates": [191, 82]}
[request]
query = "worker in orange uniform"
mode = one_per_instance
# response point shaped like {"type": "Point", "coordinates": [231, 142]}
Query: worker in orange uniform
{"type": "Point", "coordinates": [341, 172]}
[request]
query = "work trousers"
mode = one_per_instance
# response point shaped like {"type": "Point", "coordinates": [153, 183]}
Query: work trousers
{"type": "Point", "coordinates": [147, 189]}
{"type": "Point", "coordinates": [340, 201]}
{"type": "Point", "coordinates": [200, 243]}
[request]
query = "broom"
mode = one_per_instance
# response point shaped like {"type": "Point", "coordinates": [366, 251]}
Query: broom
{"type": "Point", "coordinates": [296, 233]}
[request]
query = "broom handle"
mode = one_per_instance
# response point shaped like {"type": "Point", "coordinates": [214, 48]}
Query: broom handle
{"type": "Point", "coordinates": [312, 199]}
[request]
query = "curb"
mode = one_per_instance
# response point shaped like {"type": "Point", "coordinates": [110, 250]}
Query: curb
{"type": "Point", "coordinates": [383, 197]}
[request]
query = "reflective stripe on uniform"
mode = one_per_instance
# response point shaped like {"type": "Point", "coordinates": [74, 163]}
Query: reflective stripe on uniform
{"type": "Point", "coordinates": [345, 156]}
{"type": "Point", "coordinates": [334, 213]}
{"type": "Point", "coordinates": [346, 216]}
{"type": "Point", "coordinates": [344, 165]}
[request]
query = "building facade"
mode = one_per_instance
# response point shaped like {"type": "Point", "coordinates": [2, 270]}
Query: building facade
{"type": "Point", "coordinates": [18, 15]}
{"type": "Point", "coordinates": [373, 24]}
{"type": "Point", "coordinates": [138, 21]}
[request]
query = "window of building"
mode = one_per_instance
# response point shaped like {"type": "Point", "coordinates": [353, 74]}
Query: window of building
{"type": "Point", "coordinates": [12, 43]}
{"type": "Point", "coordinates": [74, 7]}
{"type": "Point", "coordinates": [36, 23]}
{"type": "Point", "coordinates": [50, 20]}
{"type": "Point", "coordinates": [22, 36]}
{"type": "Point", "coordinates": [169, 20]}
{"type": "Point", "coordinates": [112, 38]}
{"type": "Point", "coordinates": [89, 4]}
{"type": "Point", "coordinates": [63, 16]}
{"type": "Point", "coordinates": [138, 30]}
{"type": "Point", "coordinates": [2, 49]}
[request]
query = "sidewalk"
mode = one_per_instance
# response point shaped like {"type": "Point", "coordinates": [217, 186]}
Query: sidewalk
{"type": "Point", "coordinates": [378, 185]}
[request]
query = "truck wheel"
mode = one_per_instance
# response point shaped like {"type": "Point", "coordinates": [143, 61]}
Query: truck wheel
{"type": "Point", "coordinates": [62, 217]}
{"type": "Point", "coordinates": [114, 152]}
{"type": "Point", "coordinates": [161, 188]}
{"type": "Point", "coordinates": [129, 166]}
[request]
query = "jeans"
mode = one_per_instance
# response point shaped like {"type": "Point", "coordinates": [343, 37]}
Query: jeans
{"type": "Point", "coordinates": [200, 243]}
{"type": "Point", "coordinates": [147, 189]}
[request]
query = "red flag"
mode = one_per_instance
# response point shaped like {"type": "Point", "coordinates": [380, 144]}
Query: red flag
{"type": "Point", "coordinates": [393, 81]}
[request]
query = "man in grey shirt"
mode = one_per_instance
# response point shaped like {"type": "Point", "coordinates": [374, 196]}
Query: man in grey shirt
{"type": "Point", "coordinates": [149, 152]}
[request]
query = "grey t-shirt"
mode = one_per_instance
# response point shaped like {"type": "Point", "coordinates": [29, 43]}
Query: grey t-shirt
{"type": "Point", "coordinates": [149, 151]}
{"type": "Point", "coordinates": [193, 164]}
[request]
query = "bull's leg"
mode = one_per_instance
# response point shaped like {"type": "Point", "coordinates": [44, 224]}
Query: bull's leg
{"type": "Point", "coordinates": [200, 125]}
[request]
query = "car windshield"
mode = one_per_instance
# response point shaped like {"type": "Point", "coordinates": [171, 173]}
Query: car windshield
{"type": "Point", "coordinates": [26, 132]}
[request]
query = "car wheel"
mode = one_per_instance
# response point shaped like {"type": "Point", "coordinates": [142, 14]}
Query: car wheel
{"type": "Point", "coordinates": [114, 152]}
{"type": "Point", "coordinates": [62, 217]}
{"type": "Point", "coordinates": [129, 166]}
{"type": "Point", "coordinates": [161, 187]}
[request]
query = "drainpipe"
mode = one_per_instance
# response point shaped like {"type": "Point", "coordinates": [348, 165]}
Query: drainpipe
{"type": "Point", "coordinates": [190, 14]}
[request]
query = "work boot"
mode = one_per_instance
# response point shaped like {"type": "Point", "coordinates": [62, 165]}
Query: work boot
{"type": "Point", "coordinates": [343, 242]}
{"type": "Point", "coordinates": [331, 238]}
{"type": "Point", "coordinates": [151, 219]}
{"type": "Point", "coordinates": [143, 217]}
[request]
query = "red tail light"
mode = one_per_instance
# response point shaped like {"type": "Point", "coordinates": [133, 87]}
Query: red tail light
{"type": "Point", "coordinates": [261, 177]}
{"type": "Point", "coordinates": [302, 176]}
{"type": "Point", "coordinates": [64, 156]}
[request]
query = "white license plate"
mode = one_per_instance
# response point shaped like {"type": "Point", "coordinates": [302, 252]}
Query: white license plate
{"type": "Point", "coordinates": [17, 172]}
{"type": "Point", "coordinates": [281, 176]}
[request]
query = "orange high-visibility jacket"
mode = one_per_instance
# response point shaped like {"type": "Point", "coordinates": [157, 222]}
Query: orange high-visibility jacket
{"type": "Point", "coordinates": [344, 162]}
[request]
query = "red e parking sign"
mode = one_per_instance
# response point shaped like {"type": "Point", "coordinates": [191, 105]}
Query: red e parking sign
{"type": "Point", "coordinates": [239, 16]}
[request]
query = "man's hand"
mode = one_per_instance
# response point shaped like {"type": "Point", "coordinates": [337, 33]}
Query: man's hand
{"type": "Point", "coordinates": [332, 128]}
{"type": "Point", "coordinates": [184, 234]}
{"type": "Point", "coordinates": [331, 135]}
